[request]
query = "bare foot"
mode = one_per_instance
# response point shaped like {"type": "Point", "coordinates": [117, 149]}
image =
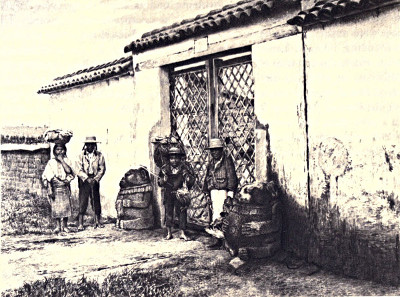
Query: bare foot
{"type": "Point", "coordinates": [183, 236]}
{"type": "Point", "coordinates": [168, 237]}
{"type": "Point", "coordinates": [81, 228]}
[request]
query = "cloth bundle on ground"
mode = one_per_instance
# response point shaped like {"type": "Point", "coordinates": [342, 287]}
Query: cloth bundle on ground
{"type": "Point", "coordinates": [58, 136]}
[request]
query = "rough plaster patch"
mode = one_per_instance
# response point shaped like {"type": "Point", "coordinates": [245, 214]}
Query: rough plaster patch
{"type": "Point", "coordinates": [370, 211]}
{"type": "Point", "coordinates": [367, 193]}
{"type": "Point", "coordinates": [333, 157]}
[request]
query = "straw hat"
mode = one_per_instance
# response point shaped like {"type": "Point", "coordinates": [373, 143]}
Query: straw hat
{"type": "Point", "coordinates": [91, 139]}
{"type": "Point", "coordinates": [175, 151]}
{"type": "Point", "coordinates": [216, 143]}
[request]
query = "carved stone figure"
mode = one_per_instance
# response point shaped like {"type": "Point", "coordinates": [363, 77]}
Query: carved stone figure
{"type": "Point", "coordinates": [134, 201]}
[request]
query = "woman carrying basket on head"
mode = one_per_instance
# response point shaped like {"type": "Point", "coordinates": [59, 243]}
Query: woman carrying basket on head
{"type": "Point", "coordinates": [57, 177]}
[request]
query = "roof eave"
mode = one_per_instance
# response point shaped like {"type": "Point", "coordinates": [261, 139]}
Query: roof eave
{"type": "Point", "coordinates": [328, 13]}
{"type": "Point", "coordinates": [215, 21]}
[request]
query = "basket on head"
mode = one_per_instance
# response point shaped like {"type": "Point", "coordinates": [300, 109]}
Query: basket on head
{"type": "Point", "coordinates": [58, 136]}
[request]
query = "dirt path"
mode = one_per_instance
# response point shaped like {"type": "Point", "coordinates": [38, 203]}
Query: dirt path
{"type": "Point", "coordinates": [97, 253]}
{"type": "Point", "coordinates": [93, 253]}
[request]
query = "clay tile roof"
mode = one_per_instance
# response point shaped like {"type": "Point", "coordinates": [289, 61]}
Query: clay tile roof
{"type": "Point", "coordinates": [217, 19]}
{"type": "Point", "coordinates": [122, 66]}
{"type": "Point", "coordinates": [327, 10]}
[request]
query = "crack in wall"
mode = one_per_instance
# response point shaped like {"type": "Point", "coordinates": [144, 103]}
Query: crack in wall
{"type": "Point", "coordinates": [303, 36]}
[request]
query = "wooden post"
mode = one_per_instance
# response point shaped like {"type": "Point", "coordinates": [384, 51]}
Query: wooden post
{"type": "Point", "coordinates": [212, 102]}
{"type": "Point", "coordinates": [261, 153]}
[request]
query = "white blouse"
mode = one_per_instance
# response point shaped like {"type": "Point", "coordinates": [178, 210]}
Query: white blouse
{"type": "Point", "coordinates": [55, 169]}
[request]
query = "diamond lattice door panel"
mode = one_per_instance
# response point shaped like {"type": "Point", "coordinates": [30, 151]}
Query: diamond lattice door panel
{"type": "Point", "coordinates": [236, 119]}
{"type": "Point", "coordinates": [189, 118]}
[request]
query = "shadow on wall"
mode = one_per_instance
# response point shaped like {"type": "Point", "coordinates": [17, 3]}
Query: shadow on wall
{"type": "Point", "coordinates": [342, 247]}
{"type": "Point", "coordinates": [320, 234]}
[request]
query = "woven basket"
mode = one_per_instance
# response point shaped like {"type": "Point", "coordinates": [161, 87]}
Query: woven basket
{"type": "Point", "coordinates": [58, 136]}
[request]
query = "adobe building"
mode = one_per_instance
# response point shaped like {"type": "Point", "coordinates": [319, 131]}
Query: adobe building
{"type": "Point", "coordinates": [304, 93]}
{"type": "Point", "coordinates": [97, 101]}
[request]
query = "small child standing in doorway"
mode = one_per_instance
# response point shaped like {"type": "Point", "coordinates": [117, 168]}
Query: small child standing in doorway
{"type": "Point", "coordinates": [174, 176]}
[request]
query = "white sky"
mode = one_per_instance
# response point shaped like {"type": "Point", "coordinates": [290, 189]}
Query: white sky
{"type": "Point", "coordinates": [44, 39]}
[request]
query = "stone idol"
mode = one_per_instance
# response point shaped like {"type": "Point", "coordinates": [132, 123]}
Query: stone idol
{"type": "Point", "coordinates": [253, 221]}
{"type": "Point", "coordinates": [134, 200]}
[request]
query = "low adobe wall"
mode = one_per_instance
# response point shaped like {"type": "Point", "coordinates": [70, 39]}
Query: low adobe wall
{"type": "Point", "coordinates": [22, 166]}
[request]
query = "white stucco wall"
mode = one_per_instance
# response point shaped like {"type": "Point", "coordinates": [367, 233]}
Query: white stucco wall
{"type": "Point", "coordinates": [125, 115]}
{"type": "Point", "coordinates": [106, 110]}
{"type": "Point", "coordinates": [278, 76]}
{"type": "Point", "coordinates": [153, 119]}
{"type": "Point", "coordinates": [353, 96]}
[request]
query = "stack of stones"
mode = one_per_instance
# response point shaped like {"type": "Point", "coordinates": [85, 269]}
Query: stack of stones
{"type": "Point", "coordinates": [134, 202]}
{"type": "Point", "coordinates": [254, 222]}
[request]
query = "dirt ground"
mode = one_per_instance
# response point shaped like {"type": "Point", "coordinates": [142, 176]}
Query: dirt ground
{"type": "Point", "coordinates": [199, 271]}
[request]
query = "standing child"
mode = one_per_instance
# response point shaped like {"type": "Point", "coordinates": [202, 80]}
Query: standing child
{"type": "Point", "coordinates": [57, 177]}
{"type": "Point", "coordinates": [172, 177]}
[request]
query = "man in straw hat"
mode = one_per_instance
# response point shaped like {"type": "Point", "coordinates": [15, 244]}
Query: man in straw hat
{"type": "Point", "coordinates": [220, 183]}
{"type": "Point", "coordinates": [91, 167]}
